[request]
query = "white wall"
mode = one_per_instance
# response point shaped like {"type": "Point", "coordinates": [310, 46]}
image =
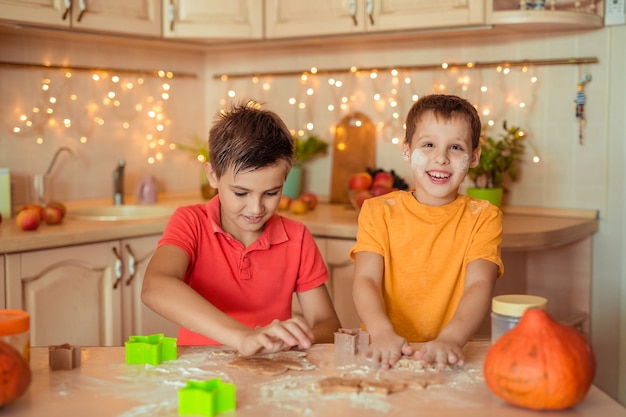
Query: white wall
{"type": "Point", "coordinates": [89, 174]}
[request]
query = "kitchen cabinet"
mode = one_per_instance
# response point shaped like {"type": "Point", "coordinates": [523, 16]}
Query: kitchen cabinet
{"type": "Point", "coordinates": [286, 19]}
{"type": "Point", "coordinates": [2, 297]}
{"type": "Point", "coordinates": [212, 19]}
{"type": "Point", "coordinates": [340, 268]}
{"type": "Point", "coordinates": [137, 17]}
{"type": "Point", "coordinates": [87, 295]}
{"type": "Point", "coordinates": [558, 16]}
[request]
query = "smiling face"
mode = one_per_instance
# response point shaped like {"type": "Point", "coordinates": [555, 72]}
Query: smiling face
{"type": "Point", "coordinates": [440, 153]}
{"type": "Point", "coordinates": [248, 198]}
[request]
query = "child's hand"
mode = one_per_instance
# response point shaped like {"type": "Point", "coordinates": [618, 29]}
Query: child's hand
{"type": "Point", "coordinates": [388, 350]}
{"type": "Point", "coordinates": [277, 336]}
{"type": "Point", "coordinates": [441, 353]}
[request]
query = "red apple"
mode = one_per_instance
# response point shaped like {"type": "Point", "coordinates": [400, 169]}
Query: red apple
{"type": "Point", "coordinates": [360, 181]}
{"type": "Point", "coordinates": [284, 202]}
{"type": "Point", "coordinates": [36, 207]}
{"type": "Point", "coordinates": [310, 199]}
{"type": "Point", "coordinates": [383, 178]}
{"type": "Point", "coordinates": [59, 205]}
{"type": "Point", "coordinates": [298, 206]}
{"type": "Point", "coordinates": [28, 219]}
{"type": "Point", "coordinates": [380, 189]}
{"type": "Point", "coordinates": [52, 214]}
{"type": "Point", "coordinates": [362, 196]}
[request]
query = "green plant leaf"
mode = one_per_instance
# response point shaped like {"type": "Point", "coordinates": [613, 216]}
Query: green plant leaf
{"type": "Point", "coordinates": [499, 158]}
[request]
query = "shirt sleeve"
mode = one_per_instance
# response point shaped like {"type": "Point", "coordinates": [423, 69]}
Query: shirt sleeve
{"type": "Point", "coordinates": [487, 238]}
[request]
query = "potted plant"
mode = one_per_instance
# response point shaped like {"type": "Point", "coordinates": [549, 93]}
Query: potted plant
{"type": "Point", "coordinates": [499, 159]}
{"type": "Point", "coordinates": [200, 149]}
{"type": "Point", "coordinates": [306, 149]}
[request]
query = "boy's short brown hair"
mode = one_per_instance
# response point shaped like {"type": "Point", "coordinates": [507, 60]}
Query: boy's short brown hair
{"type": "Point", "coordinates": [246, 137]}
{"type": "Point", "coordinates": [446, 106]}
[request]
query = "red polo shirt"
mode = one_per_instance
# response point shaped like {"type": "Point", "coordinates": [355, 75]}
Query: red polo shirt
{"type": "Point", "coordinates": [254, 285]}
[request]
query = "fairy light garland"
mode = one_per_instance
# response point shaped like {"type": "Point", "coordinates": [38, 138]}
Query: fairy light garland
{"type": "Point", "coordinates": [494, 87]}
{"type": "Point", "coordinates": [116, 98]}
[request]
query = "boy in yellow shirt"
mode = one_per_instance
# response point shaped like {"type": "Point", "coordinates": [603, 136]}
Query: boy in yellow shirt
{"type": "Point", "coordinates": [426, 261]}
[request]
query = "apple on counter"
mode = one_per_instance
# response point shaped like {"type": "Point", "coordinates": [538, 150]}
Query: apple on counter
{"type": "Point", "coordinates": [372, 183]}
{"type": "Point", "coordinates": [28, 219]}
{"type": "Point", "coordinates": [300, 205]}
{"type": "Point", "coordinates": [31, 216]}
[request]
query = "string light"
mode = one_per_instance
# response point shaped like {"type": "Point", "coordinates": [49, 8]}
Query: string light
{"type": "Point", "coordinates": [59, 107]}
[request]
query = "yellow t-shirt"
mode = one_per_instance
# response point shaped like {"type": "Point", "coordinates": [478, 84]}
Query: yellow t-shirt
{"type": "Point", "coordinates": [426, 250]}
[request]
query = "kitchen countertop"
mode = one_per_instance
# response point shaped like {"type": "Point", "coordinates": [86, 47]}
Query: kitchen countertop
{"type": "Point", "coordinates": [524, 228]}
{"type": "Point", "coordinates": [104, 385]}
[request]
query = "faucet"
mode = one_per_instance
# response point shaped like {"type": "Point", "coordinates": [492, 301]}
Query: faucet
{"type": "Point", "coordinates": [118, 183]}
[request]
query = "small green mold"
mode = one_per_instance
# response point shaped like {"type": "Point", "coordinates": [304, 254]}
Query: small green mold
{"type": "Point", "coordinates": [206, 398]}
{"type": "Point", "coordinates": [152, 349]}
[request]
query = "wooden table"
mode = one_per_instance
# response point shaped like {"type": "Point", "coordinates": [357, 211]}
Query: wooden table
{"type": "Point", "coordinates": [104, 385]}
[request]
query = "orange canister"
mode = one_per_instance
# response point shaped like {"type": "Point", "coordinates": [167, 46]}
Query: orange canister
{"type": "Point", "coordinates": [15, 330]}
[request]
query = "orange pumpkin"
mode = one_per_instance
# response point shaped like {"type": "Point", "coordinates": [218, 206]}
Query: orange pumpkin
{"type": "Point", "coordinates": [540, 364]}
{"type": "Point", "coordinates": [14, 374]}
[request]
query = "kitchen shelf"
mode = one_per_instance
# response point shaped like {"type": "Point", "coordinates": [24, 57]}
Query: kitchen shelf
{"type": "Point", "coordinates": [552, 20]}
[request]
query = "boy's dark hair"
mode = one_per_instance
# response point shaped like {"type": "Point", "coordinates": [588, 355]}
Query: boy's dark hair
{"type": "Point", "coordinates": [446, 106]}
{"type": "Point", "coordinates": [246, 137]}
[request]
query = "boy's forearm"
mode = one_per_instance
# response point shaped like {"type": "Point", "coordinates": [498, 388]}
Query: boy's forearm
{"type": "Point", "coordinates": [469, 315]}
{"type": "Point", "coordinates": [324, 331]}
{"type": "Point", "coordinates": [370, 307]}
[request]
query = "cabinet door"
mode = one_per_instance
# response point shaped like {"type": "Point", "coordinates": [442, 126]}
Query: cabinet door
{"type": "Point", "coordinates": [46, 12]}
{"type": "Point", "coordinates": [341, 270]}
{"type": "Point", "coordinates": [290, 19]}
{"type": "Point", "coordinates": [2, 283]}
{"type": "Point", "coordinates": [392, 15]}
{"type": "Point", "coordinates": [139, 319]}
{"type": "Point", "coordinates": [70, 293]}
{"type": "Point", "coordinates": [138, 17]}
{"type": "Point", "coordinates": [213, 19]}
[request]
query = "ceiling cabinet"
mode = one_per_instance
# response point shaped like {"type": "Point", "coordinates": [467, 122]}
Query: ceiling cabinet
{"type": "Point", "coordinates": [288, 19]}
{"type": "Point", "coordinates": [214, 22]}
{"type": "Point", "coordinates": [213, 19]}
{"type": "Point", "coordinates": [136, 17]}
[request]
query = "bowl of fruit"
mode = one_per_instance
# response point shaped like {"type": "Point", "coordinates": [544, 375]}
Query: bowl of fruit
{"type": "Point", "coordinates": [372, 183]}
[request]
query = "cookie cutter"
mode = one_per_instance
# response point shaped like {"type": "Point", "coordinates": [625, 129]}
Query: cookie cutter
{"type": "Point", "coordinates": [64, 356]}
{"type": "Point", "coordinates": [152, 349]}
{"type": "Point", "coordinates": [206, 398]}
{"type": "Point", "coordinates": [351, 341]}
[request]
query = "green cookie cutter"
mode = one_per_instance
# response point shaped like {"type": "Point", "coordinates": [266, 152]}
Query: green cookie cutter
{"type": "Point", "coordinates": [152, 349]}
{"type": "Point", "coordinates": [206, 398]}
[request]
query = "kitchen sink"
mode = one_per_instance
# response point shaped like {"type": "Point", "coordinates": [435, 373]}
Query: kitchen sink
{"type": "Point", "coordinates": [123, 212]}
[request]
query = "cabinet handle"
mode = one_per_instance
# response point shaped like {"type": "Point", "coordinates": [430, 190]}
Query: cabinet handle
{"type": "Point", "coordinates": [83, 9]}
{"type": "Point", "coordinates": [132, 263]}
{"type": "Point", "coordinates": [369, 6]}
{"type": "Point", "coordinates": [353, 10]}
{"type": "Point", "coordinates": [119, 266]}
{"type": "Point", "coordinates": [172, 15]}
{"type": "Point", "coordinates": [68, 7]}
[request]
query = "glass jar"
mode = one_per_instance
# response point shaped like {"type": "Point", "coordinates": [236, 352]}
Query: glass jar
{"type": "Point", "coordinates": [507, 311]}
{"type": "Point", "coordinates": [15, 330]}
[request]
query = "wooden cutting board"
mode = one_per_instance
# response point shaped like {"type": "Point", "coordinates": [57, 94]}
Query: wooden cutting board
{"type": "Point", "coordinates": [354, 150]}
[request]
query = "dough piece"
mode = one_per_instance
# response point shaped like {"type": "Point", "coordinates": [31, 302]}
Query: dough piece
{"type": "Point", "coordinates": [273, 364]}
{"type": "Point", "coordinates": [261, 366]}
{"type": "Point", "coordinates": [339, 385]}
{"type": "Point", "coordinates": [383, 387]}
{"type": "Point", "coordinates": [352, 385]}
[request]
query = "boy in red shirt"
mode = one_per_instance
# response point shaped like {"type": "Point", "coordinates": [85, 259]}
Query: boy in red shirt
{"type": "Point", "coordinates": [226, 270]}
